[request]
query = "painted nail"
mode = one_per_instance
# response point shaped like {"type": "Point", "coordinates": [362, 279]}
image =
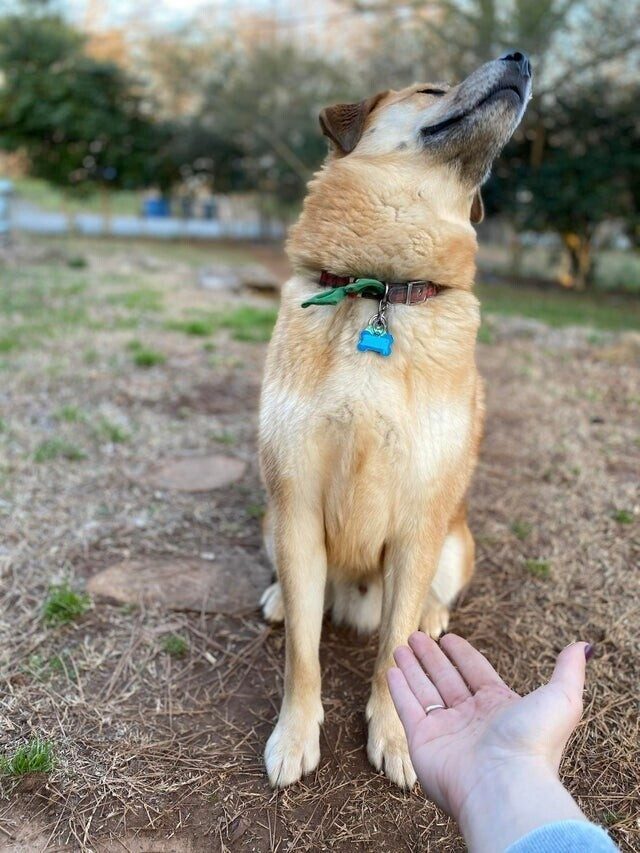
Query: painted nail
{"type": "Point", "coordinates": [588, 651]}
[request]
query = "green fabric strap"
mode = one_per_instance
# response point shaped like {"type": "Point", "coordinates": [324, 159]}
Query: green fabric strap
{"type": "Point", "coordinates": [337, 294]}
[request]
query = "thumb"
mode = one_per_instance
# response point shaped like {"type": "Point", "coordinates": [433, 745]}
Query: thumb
{"type": "Point", "coordinates": [569, 672]}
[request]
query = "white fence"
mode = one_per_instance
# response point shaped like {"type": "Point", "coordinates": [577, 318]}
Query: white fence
{"type": "Point", "coordinates": [168, 228]}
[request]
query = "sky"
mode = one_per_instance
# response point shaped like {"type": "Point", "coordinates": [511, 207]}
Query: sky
{"type": "Point", "coordinates": [169, 13]}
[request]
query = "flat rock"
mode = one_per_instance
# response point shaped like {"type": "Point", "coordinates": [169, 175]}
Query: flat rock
{"type": "Point", "coordinates": [219, 277]}
{"type": "Point", "coordinates": [258, 277]}
{"type": "Point", "coordinates": [232, 278]}
{"type": "Point", "coordinates": [230, 584]}
{"type": "Point", "coordinates": [197, 473]}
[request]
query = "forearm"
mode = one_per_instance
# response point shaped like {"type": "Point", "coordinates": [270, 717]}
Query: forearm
{"type": "Point", "coordinates": [512, 801]}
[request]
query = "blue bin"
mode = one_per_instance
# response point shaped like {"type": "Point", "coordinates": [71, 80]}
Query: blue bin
{"type": "Point", "coordinates": [156, 208]}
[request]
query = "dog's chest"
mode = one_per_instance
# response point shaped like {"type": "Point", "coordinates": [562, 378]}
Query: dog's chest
{"type": "Point", "coordinates": [343, 415]}
{"type": "Point", "coordinates": [381, 459]}
{"type": "Point", "coordinates": [369, 423]}
{"type": "Point", "coordinates": [408, 432]}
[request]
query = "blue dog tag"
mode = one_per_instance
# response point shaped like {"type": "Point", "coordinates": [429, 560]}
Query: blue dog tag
{"type": "Point", "coordinates": [371, 341]}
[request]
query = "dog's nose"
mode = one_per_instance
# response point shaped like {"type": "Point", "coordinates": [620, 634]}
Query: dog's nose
{"type": "Point", "coordinates": [520, 59]}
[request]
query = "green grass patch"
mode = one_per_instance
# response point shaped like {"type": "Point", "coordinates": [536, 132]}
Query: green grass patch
{"type": "Point", "coordinates": [224, 361]}
{"type": "Point", "coordinates": [197, 327]}
{"type": "Point", "coordinates": [610, 818]}
{"type": "Point", "coordinates": [64, 604]}
{"type": "Point", "coordinates": [521, 529]}
{"type": "Point", "coordinates": [60, 664]}
{"type": "Point", "coordinates": [131, 321]}
{"type": "Point", "coordinates": [559, 307]}
{"type": "Point", "coordinates": [247, 323]}
{"type": "Point", "coordinates": [70, 413]}
{"type": "Point", "coordinates": [77, 262]}
{"type": "Point", "coordinates": [224, 437]}
{"type": "Point", "coordinates": [144, 299]}
{"type": "Point", "coordinates": [148, 358]}
{"type": "Point", "coordinates": [43, 669]}
{"type": "Point", "coordinates": [623, 516]}
{"type": "Point", "coordinates": [538, 568]}
{"type": "Point", "coordinates": [144, 356]}
{"type": "Point", "coordinates": [38, 303]}
{"type": "Point", "coordinates": [55, 448]}
{"type": "Point", "coordinates": [35, 756]}
{"type": "Point", "coordinates": [110, 431]}
{"type": "Point", "coordinates": [175, 645]}
{"type": "Point", "coordinates": [9, 342]}
{"type": "Point", "coordinates": [36, 666]}
{"type": "Point", "coordinates": [485, 335]}
{"type": "Point", "coordinates": [254, 510]}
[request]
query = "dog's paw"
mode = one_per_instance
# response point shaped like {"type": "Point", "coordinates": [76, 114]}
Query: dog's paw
{"type": "Point", "coordinates": [435, 617]}
{"type": "Point", "coordinates": [292, 750]}
{"type": "Point", "coordinates": [387, 745]}
{"type": "Point", "coordinates": [272, 603]}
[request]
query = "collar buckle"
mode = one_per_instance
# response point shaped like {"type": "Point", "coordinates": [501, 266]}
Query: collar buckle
{"type": "Point", "coordinates": [409, 291]}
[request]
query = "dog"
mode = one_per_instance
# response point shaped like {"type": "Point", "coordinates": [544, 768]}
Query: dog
{"type": "Point", "coordinates": [366, 457]}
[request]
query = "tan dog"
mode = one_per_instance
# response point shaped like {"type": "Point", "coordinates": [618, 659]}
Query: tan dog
{"type": "Point", "coordinates": [366, 458]}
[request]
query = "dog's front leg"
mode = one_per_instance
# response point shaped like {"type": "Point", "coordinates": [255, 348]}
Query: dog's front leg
{"type": "Point", "coordinates": [294, 746]}
{"type": "Point", "coordinates": [409, 567]}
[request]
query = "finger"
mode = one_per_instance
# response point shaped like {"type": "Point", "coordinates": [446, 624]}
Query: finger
{"type": "Point", "coordinates": [409, 710]}
{"type": "Point", "coordinates": [569, 671]}
{"type": "Point", "coordinates": [472, 666]}
{"type": "Point", "coordinates": [421, 685]}
{"type": "Point", "coordinates": [441, 671]}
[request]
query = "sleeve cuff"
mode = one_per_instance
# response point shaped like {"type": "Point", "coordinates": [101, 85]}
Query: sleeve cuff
{"type": "Point", "coordinates": [565, 836]}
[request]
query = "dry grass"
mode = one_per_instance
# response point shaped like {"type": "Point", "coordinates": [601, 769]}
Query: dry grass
{"type": "Point", "coordinates": [168, 747]}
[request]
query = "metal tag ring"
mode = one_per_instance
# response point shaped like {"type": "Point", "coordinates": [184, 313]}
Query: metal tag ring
{"type": "Point", "coordinates": [378, 324]}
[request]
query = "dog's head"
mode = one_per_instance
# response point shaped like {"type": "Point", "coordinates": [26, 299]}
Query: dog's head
{"type": "Point", "coordinates": [402, 182]}
{"type": "Point", "coordinates": [461, 128]}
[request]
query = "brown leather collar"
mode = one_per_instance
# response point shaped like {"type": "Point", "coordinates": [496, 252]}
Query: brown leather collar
{"type": "Point", "coordinates": [399, 293]}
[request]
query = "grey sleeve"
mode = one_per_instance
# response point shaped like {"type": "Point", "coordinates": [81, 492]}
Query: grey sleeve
{"type": "Point", "coordinates": [565, 836]}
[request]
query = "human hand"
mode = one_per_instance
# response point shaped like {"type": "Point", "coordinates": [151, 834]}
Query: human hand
{"type": "Point", "coordinates": [487, 738]}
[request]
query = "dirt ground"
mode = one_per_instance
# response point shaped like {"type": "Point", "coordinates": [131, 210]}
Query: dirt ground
{"type": "Point", "coordinates": [160, 752]}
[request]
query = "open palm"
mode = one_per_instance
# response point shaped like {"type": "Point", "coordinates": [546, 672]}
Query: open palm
{"type": "Point", "coordinates": [484, 723]}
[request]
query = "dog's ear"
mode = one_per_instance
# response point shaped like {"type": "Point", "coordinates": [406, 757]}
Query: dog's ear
{"type": "Point", "coordinates": [344, 123]}
{"type": "Point", "coordinates": [477, 208]}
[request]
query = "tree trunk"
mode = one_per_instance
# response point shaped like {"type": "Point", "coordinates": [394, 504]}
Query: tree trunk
{"type": "Point", "coordinates": [516, 255]}
{"type": "Point", "coordinates": [578, 247]}
{"type": "Point", "coordinates": [105, 204]}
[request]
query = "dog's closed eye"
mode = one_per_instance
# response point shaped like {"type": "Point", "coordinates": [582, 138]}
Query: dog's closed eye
{"type": "Point", "coordinates": [431, 92]}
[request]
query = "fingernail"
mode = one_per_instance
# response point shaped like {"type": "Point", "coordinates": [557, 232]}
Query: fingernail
{"type": "Point", "coordinates": [588, 651]}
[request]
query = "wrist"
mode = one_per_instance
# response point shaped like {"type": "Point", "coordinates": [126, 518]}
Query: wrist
{"type": "Point", "coordinates": [510, 799]}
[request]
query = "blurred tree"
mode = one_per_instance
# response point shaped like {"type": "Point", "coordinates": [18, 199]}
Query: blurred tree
{"type": "Point", "coordinates": [264, 104]}
{"type": "Point", "coordinates": [587, 171]}
{"type": "Point", "coordinates": [197, 151]}
{"type": "Point", "coordinates": [581, 50]}
{"type": "Point", "coordinates": [447, 38]}
{"type": "Point", "coordinates": [81, 121]}
{"type": "Point", "coordinates": [177, 64]}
